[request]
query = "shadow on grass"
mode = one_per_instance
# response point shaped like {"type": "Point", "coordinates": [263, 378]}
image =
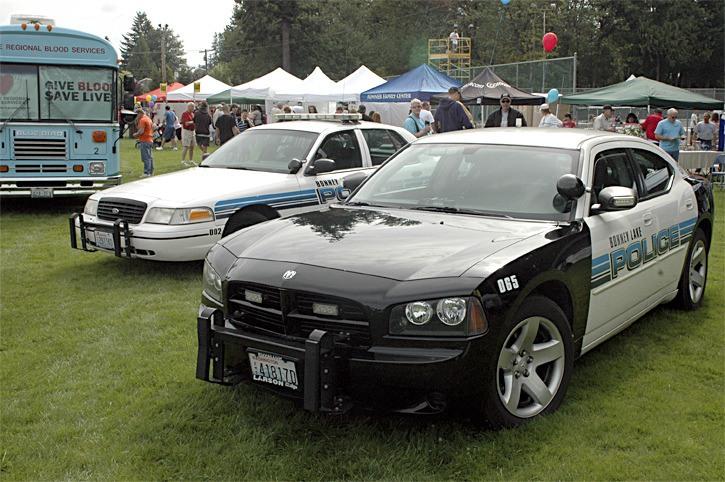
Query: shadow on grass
{"type": "Point", "coordinates": [61, 205]}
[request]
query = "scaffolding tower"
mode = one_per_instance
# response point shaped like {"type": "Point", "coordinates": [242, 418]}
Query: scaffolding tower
{"type": "Point", "coordinates": [454, 62]}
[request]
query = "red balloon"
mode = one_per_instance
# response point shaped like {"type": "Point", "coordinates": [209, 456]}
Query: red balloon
{"type": "Point", "coordinates": [549, 41]}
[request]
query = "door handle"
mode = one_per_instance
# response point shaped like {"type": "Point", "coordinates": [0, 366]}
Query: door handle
{"type": "Point", "coordinates": [648, 219]}
{"type": "Point", "coordinates": [689, 204]}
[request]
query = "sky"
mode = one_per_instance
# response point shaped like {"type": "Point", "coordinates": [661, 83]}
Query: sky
{"type": "Point", "coordinates": [193, 22]}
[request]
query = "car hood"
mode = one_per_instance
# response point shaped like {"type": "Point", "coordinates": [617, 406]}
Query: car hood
{"type": "Point", "coordinates": [394, 244]}
{"type": "Point", "coordinates": [199, 184]}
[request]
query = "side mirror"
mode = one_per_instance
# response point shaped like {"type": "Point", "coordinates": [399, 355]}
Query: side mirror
{"type": "Point", "coordinates": [615, 198]}
{"type": "Point", "coordinates": [353, 180]}
{"type": "Point", "coordinates": [321, 166]}
{"type": "Point", "coordinates": [129, 83]}
{"type": "Point", "coordinates": [294, 166]}
{"type": "Point", "coordinates": [570, 186]}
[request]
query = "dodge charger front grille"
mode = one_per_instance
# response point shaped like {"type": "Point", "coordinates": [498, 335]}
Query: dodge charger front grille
{"type": "Point", "coordinates": [290, 313]}
{"type": "Point", "coordinates": [111, 209]}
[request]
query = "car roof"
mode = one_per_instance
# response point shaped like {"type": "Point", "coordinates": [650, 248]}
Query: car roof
{"type": "Point", "coordinates": [527, 137]}
{"type": "Point", "coordinates": [320, 126]}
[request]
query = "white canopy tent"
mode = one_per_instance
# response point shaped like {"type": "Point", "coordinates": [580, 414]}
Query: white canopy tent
{"type": "Point", "coordinates": [315, 87]}
{"type": "Point", "coordinates": [349, 88]}
{"type": "Point", "coordinates": [208, 86]}
{"type": "Point", "coordinates": [258, 88]}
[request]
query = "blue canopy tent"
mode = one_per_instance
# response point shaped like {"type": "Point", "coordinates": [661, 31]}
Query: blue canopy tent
{"type": "Point", "coordinates": [392, 99]}
{"type": "Point", "coordinates": [419, 83]}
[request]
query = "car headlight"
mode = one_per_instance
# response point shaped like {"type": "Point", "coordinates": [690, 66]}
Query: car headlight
{"type": "Point", "coordinates": [179, 216]}
{"type": "Point", "coordinates": [91, 207]}
{"type": "Point", "coordinates": [212, 282]}
{"type": "Point", "coordinates": [97, 168]}
{"type": "Point", "coordinates": [454, 316]}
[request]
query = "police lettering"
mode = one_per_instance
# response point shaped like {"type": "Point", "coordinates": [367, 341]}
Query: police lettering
{"type": "Point", "coordinates": [644, 250]}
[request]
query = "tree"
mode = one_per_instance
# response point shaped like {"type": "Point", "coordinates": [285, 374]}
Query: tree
{"type": "Point", "coordinates": [141, 52]}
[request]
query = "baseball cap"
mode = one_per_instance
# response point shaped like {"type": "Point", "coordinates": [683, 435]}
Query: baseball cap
{"type": "Point", "coordinates": [505, 96]}
{"type": "Point", "coordinates": [453, 89]}
{"type": "Point", "coordinates": [140, 110]}
{"type": "Point", "coordinates": [544, 107]}
{"type": "Point", "coordinates": [607, 107]}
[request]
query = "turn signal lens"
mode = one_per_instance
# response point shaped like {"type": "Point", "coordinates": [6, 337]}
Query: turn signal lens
{"type": "Point", "coordinates": [77, 168]}
{"type": "Point", "coordinates": [4, 168]}
{"type": "Point", "coordinates": [477, 322]}
{"type": "Point", "coordinates": [99, 136]}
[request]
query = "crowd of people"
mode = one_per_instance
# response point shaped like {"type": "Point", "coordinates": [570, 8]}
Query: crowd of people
{"type": "Point", "coordinates": [202, 125]}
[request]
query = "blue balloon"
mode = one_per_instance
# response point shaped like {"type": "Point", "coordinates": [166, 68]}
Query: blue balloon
{"type": "Point", "coordinates": [505, 2]}
{"type": "Point", "coordinates": [552, 95]}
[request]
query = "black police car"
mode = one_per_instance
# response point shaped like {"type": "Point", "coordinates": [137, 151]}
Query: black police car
{"type": "Point", "coordinates": [471, 268]}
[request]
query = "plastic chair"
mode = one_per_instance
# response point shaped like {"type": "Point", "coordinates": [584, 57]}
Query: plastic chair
{"type": "Point", "coordinates": [717, 171]}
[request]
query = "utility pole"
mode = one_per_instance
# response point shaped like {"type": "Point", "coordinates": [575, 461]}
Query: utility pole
{"type": "Point", "coordinates": [206, 62]}
{"type": "Point", "coordinates": [163, 51]}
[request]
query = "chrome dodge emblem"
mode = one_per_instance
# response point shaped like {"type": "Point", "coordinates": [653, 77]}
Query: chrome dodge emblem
{"type": "Point", "coordinates": [289, 274]}
{"type": "Point", "coordinates": [115, 211]}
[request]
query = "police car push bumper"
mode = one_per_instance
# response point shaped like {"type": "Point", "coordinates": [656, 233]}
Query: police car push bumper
{"type": "Point", "coordinates": [315, 371]}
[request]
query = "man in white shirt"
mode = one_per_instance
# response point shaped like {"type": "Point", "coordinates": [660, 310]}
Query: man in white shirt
{"type": "Point", "coordinates": [693, 123]}
{"type": "Point", "coordinates": [454, 40]}
{"type": "Point", "coordinates": [426, 115]}
{"type": "Point", "coordinates": [706, 133]}
{"type": "Point", "coordinates": [548, 119]}
{"type": "Point", "coordinates": [605, 120]}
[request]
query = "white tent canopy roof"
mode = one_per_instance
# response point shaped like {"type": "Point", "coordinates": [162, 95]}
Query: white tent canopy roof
{"type": "Point", "coordinates": [208, 86]}
{"type": "Point", "coordinates": [315, 87]}
{"type": "Point", "coordinates": [349, 88]}
{"type": "Point", "coordinates": [259, 88]}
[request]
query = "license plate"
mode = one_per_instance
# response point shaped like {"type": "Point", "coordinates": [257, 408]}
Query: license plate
{"type": "Point", "coordinates": [274, 370]}
{"type": "Point", "coordinates": [104, 240]}
{"type": "Point", "coordinates": [41, 192]}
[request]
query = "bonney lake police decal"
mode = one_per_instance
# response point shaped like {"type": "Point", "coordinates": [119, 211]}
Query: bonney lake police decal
{"type": "Point", "coordinates": [630, 250]}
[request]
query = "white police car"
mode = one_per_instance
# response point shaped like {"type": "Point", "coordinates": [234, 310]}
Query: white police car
{"type": "Point", "coordinates": [471, 269]}
{"type": "Point", "coordinates": [267, 172]}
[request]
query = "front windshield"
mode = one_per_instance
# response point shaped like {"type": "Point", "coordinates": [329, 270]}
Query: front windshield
{"type": "Point", "coordinates": [500, 180]}
{"type": "Point", "coordinates": [260, 149]}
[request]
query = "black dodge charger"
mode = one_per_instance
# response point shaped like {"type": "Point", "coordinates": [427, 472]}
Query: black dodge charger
{"type": "Point", "coordinates": [470, 270]}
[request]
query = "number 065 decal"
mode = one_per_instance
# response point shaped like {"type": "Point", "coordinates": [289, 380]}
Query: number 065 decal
{"type": "Point", "coordinates": [508, 283]}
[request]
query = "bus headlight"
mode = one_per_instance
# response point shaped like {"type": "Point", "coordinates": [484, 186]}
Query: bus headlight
{"type": "Point", "coordinates": [179, 216]}
{"type": "Point", "coordinates": [97, 168]}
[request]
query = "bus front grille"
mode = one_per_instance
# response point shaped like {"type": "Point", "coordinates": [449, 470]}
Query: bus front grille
{"type": "Point", "coordinates": [40, 148]}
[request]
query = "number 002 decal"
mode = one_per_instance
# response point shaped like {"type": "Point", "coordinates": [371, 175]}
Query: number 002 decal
{"type": "Point", "coordinates": [508, 283]}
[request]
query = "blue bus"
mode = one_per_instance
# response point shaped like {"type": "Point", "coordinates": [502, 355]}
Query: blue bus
{"type": "Point", "coordinates": [59, 101]}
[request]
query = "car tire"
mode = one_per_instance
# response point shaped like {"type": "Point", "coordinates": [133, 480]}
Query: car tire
{"type": "Point", "coordinates": [691, 288]}
{"type": "Point", "coordinates": [243, 220]}
{"type": "Point", "coordinates": [533, 365]}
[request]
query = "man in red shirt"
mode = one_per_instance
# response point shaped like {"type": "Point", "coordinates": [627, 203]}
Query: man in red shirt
{"type": "Point", "coordinates": [650, 124]}
{"type": "Point", "coordinates": [144, 134]}
{"type": "Point", "coordinates": [187, 134]}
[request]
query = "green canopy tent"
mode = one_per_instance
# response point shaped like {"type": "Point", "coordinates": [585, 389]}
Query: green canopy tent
{"type": "Point", "coordinates": [643, 92]}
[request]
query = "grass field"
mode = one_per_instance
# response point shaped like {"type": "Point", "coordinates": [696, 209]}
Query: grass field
{"type": "Point", "coordinates": [97, 360]}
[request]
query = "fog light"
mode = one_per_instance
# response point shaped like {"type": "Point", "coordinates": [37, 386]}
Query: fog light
{"type": "Point", "coordinates": [326, 310]}
{"type": "Point", "coordinates": [253, 297]}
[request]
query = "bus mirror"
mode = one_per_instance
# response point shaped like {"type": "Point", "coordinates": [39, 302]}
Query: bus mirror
{"type": "Point", "coordinates": [128, 101]}
{"type": "Point", "coordinates": [129, 83]}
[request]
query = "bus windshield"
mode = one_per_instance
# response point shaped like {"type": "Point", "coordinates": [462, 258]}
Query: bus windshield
{"type": "Point", "coordinates": [55, 93]}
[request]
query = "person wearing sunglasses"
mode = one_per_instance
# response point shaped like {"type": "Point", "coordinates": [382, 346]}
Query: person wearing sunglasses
{"type": "Point", "coordinates": [668, 132]}
{"type": "Point", "coordinates": [506, 116]}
